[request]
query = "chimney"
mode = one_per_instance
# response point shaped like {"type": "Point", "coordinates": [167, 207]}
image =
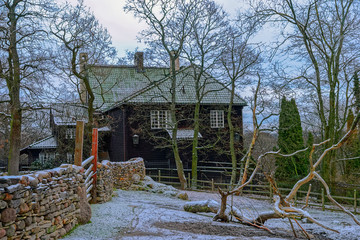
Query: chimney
{"type": "Point", "coordinates": [139, 61]}
{"type": "Point", "coordinates": [83, 62]}
{"type": "Point", "coordinates": [177, 62]}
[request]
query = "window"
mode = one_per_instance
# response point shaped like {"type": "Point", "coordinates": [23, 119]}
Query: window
{"type": "Point", "coordinates": [46, 157]}
{"type": "Point", "coordinates": [69, 157]}
{"type": "Point", "coordinates": [70, 133]}
{"type": "Point", "coordinates": [217, 118]}
{"type": "Point", "coordinates": [160, 119]}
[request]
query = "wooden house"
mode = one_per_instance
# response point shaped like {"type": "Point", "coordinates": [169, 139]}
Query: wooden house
{"type": "Point", "coordinates": [137, 100]}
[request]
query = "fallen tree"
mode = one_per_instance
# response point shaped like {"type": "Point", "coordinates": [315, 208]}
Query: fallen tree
{"type": "Point", "coordinates": [282, 206]}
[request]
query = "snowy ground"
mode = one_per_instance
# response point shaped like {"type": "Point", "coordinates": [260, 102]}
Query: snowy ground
{"type": "Point", "coordinates": [144, 215]}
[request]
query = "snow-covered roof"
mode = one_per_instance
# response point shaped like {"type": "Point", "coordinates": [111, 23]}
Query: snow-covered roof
{"type": "Point", "coordinates": [46, 143]}
{"type": "Point", "coordinates": [117, 85]}
{"type": "Point", "coordinates": [68, 113]}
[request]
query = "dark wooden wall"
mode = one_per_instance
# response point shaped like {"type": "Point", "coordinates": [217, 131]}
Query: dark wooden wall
{"type": "Point", "coordinates": [130, 120]}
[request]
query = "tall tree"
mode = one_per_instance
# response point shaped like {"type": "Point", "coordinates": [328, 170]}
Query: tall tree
{"type": "Point", "coordinates": [321, 37]}
{"type": "Point", "coordinates": [168, 27]}
{"type": "Point", "coordinates": [290, 140]}
{"type": "Point", "coordinates": [83, 42]}
{"type": "Point", "coordinates": [202, 49]}
{"type": "Point", "coordinates": [23, 55]}
{"type": "Point", "coordinates": [239, 60]}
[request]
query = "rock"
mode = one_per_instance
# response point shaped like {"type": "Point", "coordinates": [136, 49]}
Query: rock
{"type": "Point", "coordinates": [8, 196]}
{"type": "Point", "coordinates": [182, 195]}
{"type": "Point", "coordinates": [20, 225]}
{"type": "Point", "coordinates": [2, 232]}
{"type": "Point", "coordinates": [85, 210]}
{"type": "Point", "coordinates": [8, 215]}
{"type": "Point", "coordinates": [3, 204]}
{"type": "Point", "coordinates": [24, 208]}
{"type": "Point", "coordinates": [11, 230]}
{"type": "Point", "coordinates": [136, 178]}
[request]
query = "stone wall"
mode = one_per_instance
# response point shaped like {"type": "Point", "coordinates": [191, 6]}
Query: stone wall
{"type": "Point", "coordinates": [42, 205]}
{"type": "Point", "coordinates": [123, 173]}
{"type": "Point", "coordinates": [104, 182]}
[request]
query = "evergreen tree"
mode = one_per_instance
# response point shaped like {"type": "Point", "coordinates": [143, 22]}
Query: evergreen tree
{"type": "Point", "coordinates": [290, 140]}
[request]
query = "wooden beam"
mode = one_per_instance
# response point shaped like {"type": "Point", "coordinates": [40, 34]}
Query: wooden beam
{"type": "Point", "coordinates": [79, 141]}
{"type": "Point", "coordinates": [94, 152]}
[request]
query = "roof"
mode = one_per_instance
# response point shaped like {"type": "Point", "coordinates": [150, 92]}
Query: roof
{"type": "Point", "coordinates": [68, 113]}
{"type": "Point", "coordinates": [184, 134]}
{"type": "Point", "coordinates": [49, 142]}
{"type": "Point", "coordinates": [117, 85]}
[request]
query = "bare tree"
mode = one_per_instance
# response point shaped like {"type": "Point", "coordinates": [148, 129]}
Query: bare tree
{"type": "Point", "coordinates": [83, 42]}
{"type": "Point", "coordinates": [167, 30]}
{"type": "Point", "coordinates": [239, 60]}
{"type": "Point", "coordinates": [202, 50]}
{"type": "Point", "coordinates": [23, 56]}
{"type": "Point", "coordinates": [320, 38]}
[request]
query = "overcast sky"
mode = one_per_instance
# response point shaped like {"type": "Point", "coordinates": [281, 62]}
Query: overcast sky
{"type": "Point", "coordinates": [124, 27]}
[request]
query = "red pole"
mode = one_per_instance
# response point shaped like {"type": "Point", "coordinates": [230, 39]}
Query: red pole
{"type": "Point", "coordinates": [94, 152]}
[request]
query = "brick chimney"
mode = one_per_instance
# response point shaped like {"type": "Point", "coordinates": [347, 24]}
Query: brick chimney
{"type": "Point", "coordinates": [83, 60]}
{"type": "Point", "coordinates": [139, 61]}
{"type": "Point", "coordinates": [177, 62]}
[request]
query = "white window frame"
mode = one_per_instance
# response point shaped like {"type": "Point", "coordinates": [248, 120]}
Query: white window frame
{"type": "Point", "coordinates": [46, 156]}
{"type": "Point", "coordinates": [70, 133]}
{"type": "Point", "coordinates": [160, 119]}
{"type": "Point", "coordinates": [217, 118]}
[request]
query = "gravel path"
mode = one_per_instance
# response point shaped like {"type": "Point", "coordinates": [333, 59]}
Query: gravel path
{"type": "Point", "coordinates": [143, 215]}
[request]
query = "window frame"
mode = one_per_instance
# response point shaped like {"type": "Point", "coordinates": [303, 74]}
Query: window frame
{"type": "Point", "coordinates": [70, 133]}
{"type": "Point", "coordinates": [160, 119]}
{"type": "Point", "coordinates": [217, 118]}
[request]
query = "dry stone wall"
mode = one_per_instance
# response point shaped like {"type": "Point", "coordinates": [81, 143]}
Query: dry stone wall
{"type": "Point", "coordinates": [104, 182]}
{"type": "Point", "coordinates": [42, 205]}
{"type": "Point", "coordinates": [125, 173]}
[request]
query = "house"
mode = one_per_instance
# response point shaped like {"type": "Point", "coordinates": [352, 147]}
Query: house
{"type": "Point", "coordinates": [137, 99]}
{"type": "Point", "coordinates": [134, 102]}
{"type": "Point", "coordinates": [59, 145]}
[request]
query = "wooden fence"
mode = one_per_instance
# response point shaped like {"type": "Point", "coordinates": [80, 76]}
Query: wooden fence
{"type": "Point", "coordinates": [90, 164]}
{"type": "Point", "coordinates": [257, 191]}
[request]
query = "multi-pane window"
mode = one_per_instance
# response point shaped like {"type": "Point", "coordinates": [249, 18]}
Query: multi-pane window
{"type": "Point", "coordinates": [160, 119]}
{"type": "Point", "coordinates": [69, 157]}
{"type": "Point", "coordinates": [70, 133]}
{"type": "Point", "coordinates": [217, 118]}
{"type": "Point", "coordinates": [46, 156]}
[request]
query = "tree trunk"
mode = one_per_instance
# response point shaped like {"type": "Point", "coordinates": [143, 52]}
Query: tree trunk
{"type": "Point", "coordinates": [231, 132]}
{"type": "Point", "coordinates": [13, 83]}
{"type": "Point", "coordinates": [195, 146]}
{"type": "Point", "coordinates": [174, 143]}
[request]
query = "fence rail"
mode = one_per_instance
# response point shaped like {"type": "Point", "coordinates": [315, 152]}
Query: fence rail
{"type": "Point", "coordinates": [263, 192]}
{"type": "Point", "coordinates": [89, 176]}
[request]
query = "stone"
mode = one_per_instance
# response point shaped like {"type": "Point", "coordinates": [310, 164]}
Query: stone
{"type": "Point", "coordinates": [15, 203]}
{"type": "Point", "coordinates": [182, 195]}
{"type": "Point", "coordinates": [24, 208]}
{"type": "Point", "coordinates": [2, 232]}
{"type": "Point", "coordinates": [28, 221]}
{"type": "Point", "coordinates": [13, 188]}
{"type": "Point", "coordinates": [68, 227]}
{"type": "Point", "coordinates": [85, 209]}
{"type": "Point", "coordinates": [136, 178]}
{"type": "Point", "coordinates": [8, 215]}
{"type": "Point", "coordinates": [20, 225]}
{"type": "Point", "coordinates": [11, 230]}
{"type": "Point", "coordinates": [8, 196]}
{"type": "Point", "coordinates": [3, 204]}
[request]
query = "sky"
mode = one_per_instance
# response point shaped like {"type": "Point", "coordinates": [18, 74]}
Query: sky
{"type": "Point", "coordinates": [124, 28]}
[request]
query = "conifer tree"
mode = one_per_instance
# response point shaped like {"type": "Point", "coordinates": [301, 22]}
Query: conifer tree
{"type": "Point", "coordinates": [290, 140]}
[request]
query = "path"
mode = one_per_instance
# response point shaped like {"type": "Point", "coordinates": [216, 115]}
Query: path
{"type": "Point", "coordinates": [143, 215]}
